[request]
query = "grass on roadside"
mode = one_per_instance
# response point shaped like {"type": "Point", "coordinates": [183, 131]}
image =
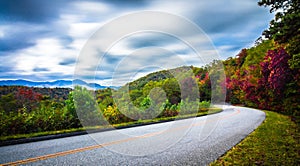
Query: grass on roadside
{"type": "Point", "coordinates": [274, 142]}
{"type": "Point", "coordinates": [121, 125]}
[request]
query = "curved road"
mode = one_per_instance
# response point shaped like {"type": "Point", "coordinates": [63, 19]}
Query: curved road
{"type": "Point", "coordinates": [194, 141]}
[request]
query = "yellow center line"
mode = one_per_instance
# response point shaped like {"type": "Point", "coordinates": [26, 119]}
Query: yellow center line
{"type": "Point", "coordinates": [63, 153]}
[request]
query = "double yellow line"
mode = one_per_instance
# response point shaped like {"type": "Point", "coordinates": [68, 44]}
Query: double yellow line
{"type": "Point", "coordinates": [58, 154]}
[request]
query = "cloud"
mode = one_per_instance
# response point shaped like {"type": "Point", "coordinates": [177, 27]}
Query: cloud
{"type": "Point", "coordinates": [235, 23]}
{"type": "Point", "coordinates": [41, 40]}
{"type": "Point", "coordinates": [128, 3]}
{"type": "Point", "coordinates": [5, 69]}
{"type": "Point", "coordinates": [67, 62]}
{"type": "Point", "coordinates": [34, 11]}
{"type": "Point", "coordinates": [39, 69]}
{"type": "Point", "coordinates": [139, 63]}
{"type": "Point", "coordinates": [36, 77]}
{"type": "Point", "coordinates": [14, 38]}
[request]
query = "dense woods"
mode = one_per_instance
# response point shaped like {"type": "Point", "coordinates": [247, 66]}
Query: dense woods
{"type": "Point", "coordinates": [267, 76]}
{"type": "Point", "coordinates": [31, 109]}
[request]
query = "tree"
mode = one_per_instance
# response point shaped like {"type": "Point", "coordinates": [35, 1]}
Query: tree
{"type": "Point", "coordinates": [285, 31]}
{"type": "Point", "coordinates": [8, 103]}
{"type": "Point", "coordinates": [285, 28]}
{"type": "Point", "coordinates": [86, 107]}
{"type": "Point", "coordinates": [286, 24]}
{"type": "Point", "coordinates": [277, 77]}
{"type": "Point", "coordinates": [276, 70]}
{"type": "Point", "coordinates": [172, 89]}
{"type": "Point", "coordinates": [70, 111]}
{"type": "Point", "coordinates": [204, 85]}
{"type": "Point", "coordinates": [28, 98]}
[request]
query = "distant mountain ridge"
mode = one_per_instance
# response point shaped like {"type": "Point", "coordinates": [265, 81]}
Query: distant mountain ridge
{"type": "Point", "coordinates": [53, 84]}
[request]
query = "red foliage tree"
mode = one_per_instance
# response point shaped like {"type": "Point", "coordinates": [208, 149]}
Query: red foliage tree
{"type": "Point", "coordinates": [276, 75]}
{"type": "Point", "coordinates": [276, 72]}
{"type": "Point", "coordinates": [27, 98]}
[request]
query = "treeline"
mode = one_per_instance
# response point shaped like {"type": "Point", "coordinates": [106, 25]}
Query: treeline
{"type": "Point", "coordinates": [262, 77]}
{"type": "Point", "coordinates": [169, 81]}
{"type": "Point", "coordinates": [267, 76]}
{"type": "Point", "coordinates": [30, 109]}
{"type": "Point", "coordinates": [13, 98]}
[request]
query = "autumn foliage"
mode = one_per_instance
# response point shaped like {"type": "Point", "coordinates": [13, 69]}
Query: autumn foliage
{"type": "Point", "coordinates": [274, 87]}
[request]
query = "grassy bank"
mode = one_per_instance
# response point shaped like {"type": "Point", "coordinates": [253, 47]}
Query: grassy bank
{"type": "Point", "coordinates": [274, 142]}
{"type": "Point", "coordinates": [121, 125]}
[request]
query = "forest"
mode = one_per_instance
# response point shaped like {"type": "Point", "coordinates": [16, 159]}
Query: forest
{"type": "Point", "coordinates": [32, 109]}
{"type": "Point", "coordinates": [265, 76]}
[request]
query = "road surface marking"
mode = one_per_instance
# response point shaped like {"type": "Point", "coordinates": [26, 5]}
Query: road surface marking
{"type": "Point", "coordinates": [63, 153]}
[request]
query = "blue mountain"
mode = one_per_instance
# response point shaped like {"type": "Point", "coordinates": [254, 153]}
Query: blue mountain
{"type": "Point", "coordinates": [57, 83]}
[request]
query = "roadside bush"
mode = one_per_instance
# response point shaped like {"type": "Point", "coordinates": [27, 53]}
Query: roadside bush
{"type": "Point", "coordinates": [188, 107]}
{"type": "Point", "coordinates": [86, 107]}
{"type": "Point", "coordinates": [114, 116]}
{"type": "Point", "coordinates": [204, 106]}
{"type": "Point", "coordinates": [52, 115]}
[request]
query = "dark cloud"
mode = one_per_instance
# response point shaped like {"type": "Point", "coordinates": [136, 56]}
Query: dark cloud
{"type": "Point", "coordinates": [68, 62]}
{"type": "Point", "coordinates": [21, 36]}
{"type": "Point", "coordinates": [218, 23]}
{"type": "Point", "coordinates": [112, 59]}
{"type": "Point", "coordinates": [229, 19]}
{"type": "Point", "coordinates": [5, 69]}
{"type": "Point", "coordinates": [39, 69]}
{"type": "Point", "coordinates": [182, 51]}
{"type": "Point", "coordinates": [43, 11]}
{"type": "Point", "coordinates": [35, 11]}
{"type": "Point", "coordinates": [28, 20]}
{"type": "Point", "coordinates": [16, 39]}
{"type": "Point", "coordinates": [13, 45]}
{"type": "Point", "coordinates": [126, 3]}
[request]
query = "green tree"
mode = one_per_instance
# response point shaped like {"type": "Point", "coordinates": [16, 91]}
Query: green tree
{"type": "Point", "coordinates": [146, 102]}
{"type": "Point", "coordinates": [285, 28]}
{"type": "Point", "coordinates": [172, 89]}
{"type": "Point", "coordinates": [70, 111]}
{"type": "Point", "coordinates": [8, 103]}
{"type": "Point", "coordinates": [86, 107]}
{"type": "Point", "coordinates": [286, 24]}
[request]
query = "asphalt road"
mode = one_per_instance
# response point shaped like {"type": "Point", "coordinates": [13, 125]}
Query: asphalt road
{"type": "Point", "coordinates": [195, 141]}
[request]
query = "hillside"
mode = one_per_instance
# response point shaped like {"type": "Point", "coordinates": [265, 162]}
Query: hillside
{"type": "Point", "coordinates": [169, 81]}
{"type": "Point", "coordinates": [27, 109]}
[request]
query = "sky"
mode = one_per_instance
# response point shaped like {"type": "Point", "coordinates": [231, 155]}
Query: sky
{"type": "Point", "coordinates": [64, 39]}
